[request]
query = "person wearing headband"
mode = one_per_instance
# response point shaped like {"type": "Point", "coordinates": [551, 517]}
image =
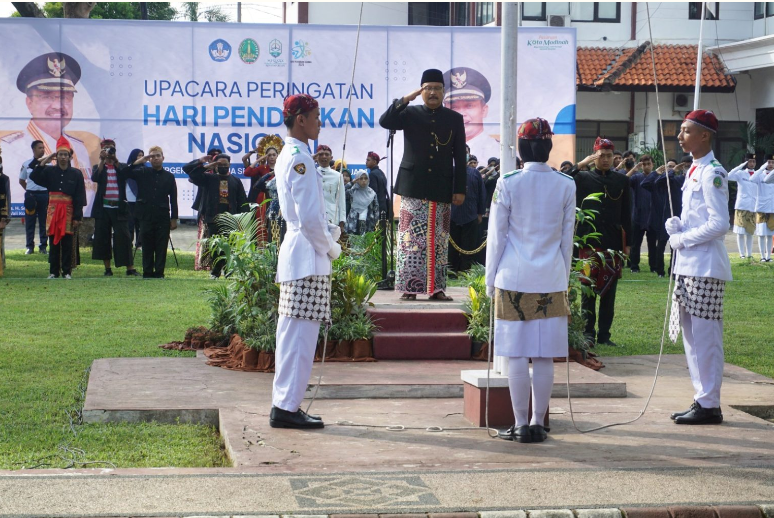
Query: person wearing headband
{"type": "Point", "coordinates": [701, 268]}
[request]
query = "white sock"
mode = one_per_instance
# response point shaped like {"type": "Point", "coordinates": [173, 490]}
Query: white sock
{"type": "Point", "coordinates": [762, 246]}
{"type": "Point", "coordinates": [519, 384]}
{"type": "Point", "coordinates": [542, 384]}
{"type": "Point", "coordinates": [740, 238]}
{"type": "Point", "coordinates": [749, 244]}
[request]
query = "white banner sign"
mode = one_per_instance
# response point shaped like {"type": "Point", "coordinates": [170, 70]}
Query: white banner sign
{"type": "Point", "coordinates": [189, 87]}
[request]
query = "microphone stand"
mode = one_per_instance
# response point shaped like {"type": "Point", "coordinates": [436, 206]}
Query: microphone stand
{"type": "Point", "coordinates": [388, 277]}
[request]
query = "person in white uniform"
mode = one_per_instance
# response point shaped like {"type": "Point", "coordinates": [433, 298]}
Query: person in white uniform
{"type": "Point", "coordinates": [701, 268]}
{"type": "Point", "coordinates": [764, 207]}
{"type": "Point", "coordinates": [304, 265]}
{"type": "Point", "coordinates": [529, 256]}
{"type": "Point", "coordinates": [744, 208]}
{"type": "Point", "coordinates": [333, 188]}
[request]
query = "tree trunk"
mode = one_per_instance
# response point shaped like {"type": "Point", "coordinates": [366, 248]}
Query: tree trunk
{"type": "Point", "coordinates": [78, 9]}
{"type": "Point", "coordinates": [29, 9]}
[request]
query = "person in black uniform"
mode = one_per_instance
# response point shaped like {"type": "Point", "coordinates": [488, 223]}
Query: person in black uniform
{"type": "Point", "coordinates": [66, 199]}
{"type": "Point", "coordinates": [432, 176]}
{"type": "Point", "coordinates": [5, 210]}
{"type": "Point", "coordinates": [377, 181]}
{"type": "Point", "coordinates": [613, 222]}
{"type": "Point", "coordinates": [156, 197]}
{"type": "Point", "coordinates": [221, 192]}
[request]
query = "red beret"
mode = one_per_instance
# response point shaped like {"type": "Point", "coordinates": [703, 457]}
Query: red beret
{"type": "Point", "coordinates": [704, 118]}
{"type": "Point", "coordinates": [535, 129]}
{"type": "Point", "coordinates": [323, 147]}
{"type": "Point", "coordinates": [373, 155]}
{"type": "Point", "coordinates": [298, 104]}
{"type": "Point", "coordinates": [603, 143]}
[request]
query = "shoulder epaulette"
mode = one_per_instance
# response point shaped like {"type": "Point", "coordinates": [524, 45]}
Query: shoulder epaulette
{"type": "Point", "coordinates": [715, 163]}
{"type": "Point", "coordinates": [512, 173]}
{"type": "Point", "coordinates": [294, 150]}
{"type": "Point", "coordinates": [12, 137]}
{"type": "Point", "coordinates": [565, 175]}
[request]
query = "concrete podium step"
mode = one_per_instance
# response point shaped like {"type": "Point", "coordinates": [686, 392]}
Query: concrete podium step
{"type": "Point", "coordinates": [420, 334]}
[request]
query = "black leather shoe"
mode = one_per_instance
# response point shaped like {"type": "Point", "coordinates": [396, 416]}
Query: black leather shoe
{"type": "Point", "coordinates": [700, 415]}
{"type": "Point", "coordinates": [516, 433]}
{"type": "Point", "coordinates": [311, 416]}
{"type": "Point", "coordinates": [675, 415]}
{"type": "Point", "coordinates": [108, 272]}
{"type": "Point", "coordinates": [608, 343]}
{"type": "Point", "coordinates": [537, 433]}
{"type": "Point", "coordinates": [283, 419]}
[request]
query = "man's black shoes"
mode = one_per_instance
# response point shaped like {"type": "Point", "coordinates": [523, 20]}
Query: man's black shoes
{"type": "Point", "coordinates": [299, 419]}
{"type": "Point", "coordinates": [516, 433]}
{"type": "Point", "coordinates": [675, 415]}
{"type": "Point", "coordinates": [538, 433]}
{"type": "Point", "coordinates": [697, 414]}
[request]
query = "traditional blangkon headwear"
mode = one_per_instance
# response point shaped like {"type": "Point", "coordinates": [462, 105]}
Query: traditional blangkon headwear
{"type": "Point", "coordinates": [535, 129]}
{"type": "Point", "coordinates": [373, 155]}
{"type": "Point", "coordinates": [323, 147]}
{"type": "Point", "coordinates": [704, 118]}
{"type": "Point", "coordinates": [63, 143]}
{"type": "Point", "coordinates": [603, 143]}
{"type": "Point", "coordinates": [432, 75]}
{"type": "Point", "coordinates": [298, 104]}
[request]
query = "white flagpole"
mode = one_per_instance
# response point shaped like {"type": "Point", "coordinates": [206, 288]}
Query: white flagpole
{"type": "Point", "coordinates": [697, 88]}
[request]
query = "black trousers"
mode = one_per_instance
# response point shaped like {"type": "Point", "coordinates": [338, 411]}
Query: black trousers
{"type": "Point", "coordinates": [134, 225]}
{"type": "Point", "coordinates": [466, 237]}
{"type": "Point", "coordinates": [638, 233]}
{"type": "Point", "coordinates": [111, 238]}
{"type": "Point", "coordinates": [155, 237]}
{"type": "Point", "coordinates": [218, 259]}
{"type": "Point", "coordinates": [657, 255]}
{"type": "Point", "coordinates": [60, 257]}
{"type": "Point", "coordinates": [606, 313]}
{"type": "Point", "coordinates": [41, 209]}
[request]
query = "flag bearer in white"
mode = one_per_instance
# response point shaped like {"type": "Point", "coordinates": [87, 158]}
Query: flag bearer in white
{"type": "Point", "coordinates": [764, 207]}
{"type": "Point", "coordinates": [304, 264]}
{"type": "Point", "coordinates": [528, 260]}
{"type": "Point", "coordinates": [744, 208]}
{"type": "Point", "coordinates": [701, 268]}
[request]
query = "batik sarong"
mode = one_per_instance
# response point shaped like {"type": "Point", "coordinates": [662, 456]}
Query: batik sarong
{"type": "Point", "coordinates": [423, 246]}
{"type": "Point", "coordinates": [744, 222]}
{"type": "Point", "coordinates": [701, 297]}
{"type": "Point", "coordinates": [308, 298]}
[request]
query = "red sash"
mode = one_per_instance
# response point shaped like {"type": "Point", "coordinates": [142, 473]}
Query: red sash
{"type": "Point", "coordinates": [59, 218]}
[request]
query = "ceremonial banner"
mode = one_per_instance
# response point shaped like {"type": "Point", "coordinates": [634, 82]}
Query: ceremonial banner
{"type": "Point", "coordinates": [188, 87]}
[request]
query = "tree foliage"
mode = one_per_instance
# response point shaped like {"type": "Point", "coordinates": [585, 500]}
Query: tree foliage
{"type": "Point", "coordinates": [100, 10]}
{"type": "Point", "coordinates": [192, 12]}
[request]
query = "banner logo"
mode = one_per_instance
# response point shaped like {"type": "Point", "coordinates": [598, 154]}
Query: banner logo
{"type": "Point", "coordinates": [547, 43]}
{"type": "Point", "coordinates": [249, 51]}
{"type": "Point", "coordinates": [301, 49]}
{"type": "Point", "coordinates": [220, 50]}
{"type": "Point", "coordinates": [275, 48]}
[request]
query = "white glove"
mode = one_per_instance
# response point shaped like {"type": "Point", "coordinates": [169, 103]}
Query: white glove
{"type": "Point", "coordinates": [490, 291]}
{"type": "Point", "coordinates": [676, 241]}
{"type": "Point", "coordinates": [335, 231]}
{"type": "Point", "coordinates": [334, 252]}
{"type": "Point", "coordinates": [673, 225]}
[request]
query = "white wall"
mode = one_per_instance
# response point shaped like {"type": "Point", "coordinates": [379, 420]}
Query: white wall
{"type": "Point", "coordinates": [291, 12]}
{"type": "Point", "coordinates": [608, 106]}
{"type": "Point", "coordinates": [347, 13]}
{"type": "Point", "coordinates": [763, 27]}
{"type": "Point", "coordinates": [762, 91]}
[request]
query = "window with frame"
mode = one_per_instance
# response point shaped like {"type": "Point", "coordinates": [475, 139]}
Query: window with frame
{"type": "Point", "coordinates": [586, 132]}
{"type": "Point", "coordinates": [759, 11]}
{"type": "Point", "coordinates": [712, 12]}
{"type": "Point", "coordinates": [599, 12]}
{"type": "Point", "coordinates": [533, 11]}
{"type": "Point", "coordinates": [429, 13]}
{"type": "Point", "coordinates": [769, 9]}
{"type": "Point", "coordinates": [484, 13]}
{"type": "Point", "coordinates": [461, 14]}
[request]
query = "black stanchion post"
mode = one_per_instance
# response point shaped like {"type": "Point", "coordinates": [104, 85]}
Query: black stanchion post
{"type": "Point", "coordinates": [388, 276]}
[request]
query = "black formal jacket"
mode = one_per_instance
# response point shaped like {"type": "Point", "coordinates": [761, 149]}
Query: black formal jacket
{"type": "Point", "coordinates": [100, 177]}
{"type": "Point", "coordinates": [156, 193]}
{"type": "Point", "coordinates": [5, 196]}
{"type": "Point", "coordinates": [68, 181]}
{"type": "Point", "coordinates": [614, 212]}
{"type": "Point", "coordinates": [187, 168]}
{"type": "Point", "coordinates": [377, 181]}
{"type": "Point", "coordinates": [434, 157]}
{"type": "Point", "coordinates": [209, 186]}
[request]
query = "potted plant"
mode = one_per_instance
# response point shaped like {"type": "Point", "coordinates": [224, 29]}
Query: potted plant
{"type": "Point", "coordinates": [362, 332]}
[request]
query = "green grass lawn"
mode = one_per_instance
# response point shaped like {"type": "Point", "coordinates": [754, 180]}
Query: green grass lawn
{"type": "Point", "coordinates": [52, 330]}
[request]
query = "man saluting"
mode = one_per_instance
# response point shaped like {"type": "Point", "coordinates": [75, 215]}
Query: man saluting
{"type": "Point", "coordinates": [431, 177]}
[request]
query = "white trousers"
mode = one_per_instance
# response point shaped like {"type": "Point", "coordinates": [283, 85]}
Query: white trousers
{"type": "Point", "coordinates": [294, 357]}
{"type": "Point", "coordinates": [703, 341]}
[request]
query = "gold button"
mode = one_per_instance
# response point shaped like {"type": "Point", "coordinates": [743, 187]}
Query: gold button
{"type": "Point", "coordinates": [429, 170]}
{"type": "Point", "coordinates": [431, 156]}
{"type": "Point", "coordinates": [431, 145]}
{"type": "Point", "coordinates": [432, 120]}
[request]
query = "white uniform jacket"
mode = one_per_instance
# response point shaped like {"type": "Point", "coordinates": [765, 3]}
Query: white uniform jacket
{"type": "Point", "coordinates": [705, 221]}
{"type": "Point", "coordinates": [763, 178]}
{"type": "Point", "coordinates": [747, 190]}
{"type": "Point", "coordinates": [335, 195]}
{"type": "Point", "coordinates": [304, 251]}
{"type": "Point", "coordinates": [531, 222]}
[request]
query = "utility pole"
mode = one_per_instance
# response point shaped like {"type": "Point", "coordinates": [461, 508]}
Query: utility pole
{"type": "Point", "coordinates": [697, 88]}
{"type": "Point", "coordinates": [508, 61]}
{"type": "Point", "coordinates": [144, 10]}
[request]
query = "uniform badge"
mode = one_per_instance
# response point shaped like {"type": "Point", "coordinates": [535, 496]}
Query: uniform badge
{"type": "Point", "coordinates": [459, 79]}
{"type": "Point", "coordinates": [295, 151]}
{"type": "Point", "coordinates": [55, 67]}
{"type": "Point", "coordinates": [717, 182]}
{"type": "Point", "coordinates": [494, 197]}
{"type": "Point", "coordinates": [300, 168]}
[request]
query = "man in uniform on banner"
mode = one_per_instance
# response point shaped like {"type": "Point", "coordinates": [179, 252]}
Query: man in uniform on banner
{"type": "Point", "coordinates": [432, 176]}
{"type": "Point", "coordinates": [49, 82]}
{"type": "Point", "coordinates": [468, 92]}
{"type": "Point", "coordinates": [701, 268]}
{"type": "Point", "coordinates": [613, 222]}
{"type": "Point", "coordinates": [66, 199]}
{"type": "Point", "coordinates": [304, 265]}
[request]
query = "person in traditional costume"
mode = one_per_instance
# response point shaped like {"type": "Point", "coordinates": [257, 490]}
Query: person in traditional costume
{"type": "Point", "coordinates": [377, 181]}
{"type": "Point", "coordinates": [764, 207]}
{"type": "Point", "coordinates": [156, 208]}
{"type": "Point", "coordinates": [5, 210]}
{"type": "Point", "coordinates": [701, 268]}
{"type": "Point", "coordinates": [613, 222]}
{"type": "Point", "coordinates": [221, 192]}
{"type": "Point", "coordinates": [304, 265]}
{"type": "Point", "coordinates": [260, 174]}
{"type": "Point", "coordinates": [529, 257]}
{"type": "Point", "coordinates": [202, 259]}
{"type": "Point", "coordinates": [111, 212]}
{"type": "Point", "coordinates": [431, 177]}
{"type": "Point", "coordinates": [333, 187]}
{"type": "Point", "coordinates": [364, 207]}
{"type": "Point", "coordinates": [66, 199]}
{"type": "Point", "coordinates": [744, 207]}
